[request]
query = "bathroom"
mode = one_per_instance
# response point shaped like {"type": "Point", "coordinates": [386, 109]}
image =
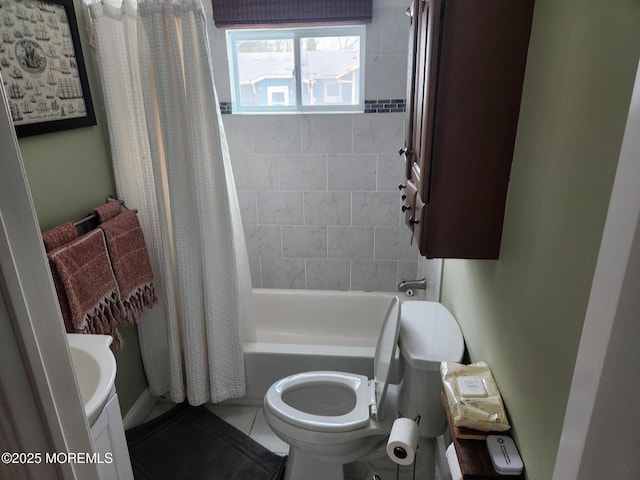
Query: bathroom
{"type": "Point", "coordinates": [527, 308]}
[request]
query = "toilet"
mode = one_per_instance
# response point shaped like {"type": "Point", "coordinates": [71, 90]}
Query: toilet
{"type": "Point", "coordinates": [331, 419]}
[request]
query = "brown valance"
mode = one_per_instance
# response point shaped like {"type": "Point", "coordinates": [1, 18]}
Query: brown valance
{"type": "Point", "coordinates": [257, 13]}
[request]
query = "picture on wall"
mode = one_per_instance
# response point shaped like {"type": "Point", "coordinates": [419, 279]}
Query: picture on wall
{"type": "Point", "coordinates": [42, 66]}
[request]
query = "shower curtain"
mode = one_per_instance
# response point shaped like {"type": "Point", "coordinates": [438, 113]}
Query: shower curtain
{"type": "Point", "coordinates": [171, 162]}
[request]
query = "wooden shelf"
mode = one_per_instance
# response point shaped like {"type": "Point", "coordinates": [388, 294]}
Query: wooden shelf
{"type": "Point", "coordinates": [473, 456]}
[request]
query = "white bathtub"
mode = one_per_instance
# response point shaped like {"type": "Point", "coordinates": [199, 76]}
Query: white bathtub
{"type": "Point", "coordinates": [304, 330]}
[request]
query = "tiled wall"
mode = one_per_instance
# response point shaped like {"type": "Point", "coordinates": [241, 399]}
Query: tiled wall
{"type": "Point", "coordinates": [319, 193]}
{"type": "Point", "coordinates": [320, 201]}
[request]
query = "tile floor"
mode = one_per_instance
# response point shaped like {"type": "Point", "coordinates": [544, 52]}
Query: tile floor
{"type": "Point", "coordinates": [249, 420]}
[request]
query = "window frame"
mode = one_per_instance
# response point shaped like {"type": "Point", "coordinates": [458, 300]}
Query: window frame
{"type": "Point", "coordinates": [295, 34]}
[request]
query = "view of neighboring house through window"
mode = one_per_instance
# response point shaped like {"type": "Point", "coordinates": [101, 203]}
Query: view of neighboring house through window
{"type": "Point", "coordinates": [301, 69]}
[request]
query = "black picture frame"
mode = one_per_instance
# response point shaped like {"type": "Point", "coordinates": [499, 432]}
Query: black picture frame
{"type": "Point", "coordinates": [42, 67]}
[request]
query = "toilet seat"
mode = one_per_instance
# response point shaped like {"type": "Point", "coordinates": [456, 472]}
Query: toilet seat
{"type": "Point", "coordinates": [369, 395]}
{"type": "Point", "coordinates": [356, 417]}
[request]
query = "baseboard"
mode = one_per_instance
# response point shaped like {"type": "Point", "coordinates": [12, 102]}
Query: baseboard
{"type": "Point", "coordinates": [140, 410]}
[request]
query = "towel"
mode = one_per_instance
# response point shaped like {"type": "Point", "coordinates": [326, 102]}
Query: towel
{"type": "Point", "coordinates": [90, 285]}
{"type": "Point", "coordinates": [131, 265]}
{"type": "Point", "coordinates": [59, 236]}
{"type": "Point", "coordinates": [106, 211]}
{"type": "Point", "coordinates": [55, 238]}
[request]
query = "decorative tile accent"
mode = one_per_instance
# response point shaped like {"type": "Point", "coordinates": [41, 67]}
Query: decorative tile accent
{"type": "Point", "coordinates": [385, 106]}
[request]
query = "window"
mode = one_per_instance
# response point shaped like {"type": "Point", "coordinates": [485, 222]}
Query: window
{"type": "Point", "coordinates": [297, 70]}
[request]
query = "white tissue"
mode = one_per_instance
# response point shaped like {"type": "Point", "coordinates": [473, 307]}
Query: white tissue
{"type": "Point", "coordinates": [403, 441]}
{"type": "Point", "coordinates": [454, 465]}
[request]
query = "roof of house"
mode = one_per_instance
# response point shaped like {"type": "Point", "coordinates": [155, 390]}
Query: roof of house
{"type": "Point", "coordinates": [256, 66]}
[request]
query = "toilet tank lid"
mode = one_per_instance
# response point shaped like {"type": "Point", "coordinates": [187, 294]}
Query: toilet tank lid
{"type": "Point", "coordinates": [429, 335]}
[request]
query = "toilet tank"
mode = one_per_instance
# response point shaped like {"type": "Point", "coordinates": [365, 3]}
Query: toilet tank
{"type": "Point", "coordinates": [428, 335]}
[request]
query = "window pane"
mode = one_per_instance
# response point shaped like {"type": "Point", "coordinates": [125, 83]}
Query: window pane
{"type": "Point", "coordinates": [266, 72]}
{"type": "Point", "coordinates": [330, 68]}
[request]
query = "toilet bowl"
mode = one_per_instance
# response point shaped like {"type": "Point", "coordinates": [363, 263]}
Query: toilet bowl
{"type": "Point", "coordinates": [330, 419]}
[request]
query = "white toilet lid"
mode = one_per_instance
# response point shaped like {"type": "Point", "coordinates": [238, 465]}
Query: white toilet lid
{"type": "Point", "coordinates": [386, 350]}
{"type": "Point", "coordinates": [351, 418]}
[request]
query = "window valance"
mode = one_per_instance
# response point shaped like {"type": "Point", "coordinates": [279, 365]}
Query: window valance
{"type": "Point", "coordinates": [257, 13]}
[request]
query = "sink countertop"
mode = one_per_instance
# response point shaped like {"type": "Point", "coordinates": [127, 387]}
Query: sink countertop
{"type": "Point", "coordinates": [95, 368]}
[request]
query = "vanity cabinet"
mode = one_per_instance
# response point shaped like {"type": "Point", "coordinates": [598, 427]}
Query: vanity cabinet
{"type": "Point", "coordinates": [110, 442]}
{"type": "Point", "coordinates": [465, 74]}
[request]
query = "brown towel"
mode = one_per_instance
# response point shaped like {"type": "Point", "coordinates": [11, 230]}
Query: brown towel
{"type": "Point", "coordinates": [90, 285]}
{"type": "Point", "coordinates": [59, 236]}
{"type": "Point", "coordinates": [54, 238]}
{"type": "Point", "coordinates": [131, 265]}
{"type": "Point", "coordinates": [107, 211]}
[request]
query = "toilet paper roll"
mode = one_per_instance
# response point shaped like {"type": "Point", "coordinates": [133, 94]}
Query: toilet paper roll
{"type": "Point", "coordinates": [452, 461]}
{"type": "Point", "coordinates": [403, 441]}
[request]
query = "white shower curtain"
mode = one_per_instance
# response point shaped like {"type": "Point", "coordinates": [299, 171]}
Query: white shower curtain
{"type": "Point", "coordinates": [171, 162]}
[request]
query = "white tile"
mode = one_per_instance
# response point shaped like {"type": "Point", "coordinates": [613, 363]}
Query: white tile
{"type": "Point", "coordinates": [255, 171]}
{"type": "Point", "coordinates": [394, 30]}
{"type": "Point", "coordinates": [262, 433]}
{"type": "Point", "coordinates": [391, 168]}
{"type": "Point", "coordinates": [220, 68]}
{"type": "Point", "coordinates": [385, 76]}
{"type": "Point", "coordinates": [370, 275]}
{"type": "Point", "coordinates": [279, 208]}
{"type": "Point", "coordinates": [327, 208]}
{"type": "Point", "coordinates": [328, 274]}
{"type": "Point", "coordinates": [282, 272]}
{"type": "Point", "coordinates": [326, 133]}
{"type": "Point", "coordinates": [375, 208]}
{"type": "Point", "coordinates": [254, 268]}
{"type": "Point", "coordinates": [306, 242]}
{"type": "Point", "coordinates": [237, 129]}
{"type": "Point", "coordinates": [275, 133]}
{"type": "Point", "coordinates": [351, 171]}
{"type": "Point", "coordinates": [378, 132]}
{"type": "Point", "coordinates": [240, 417]}
{"type": "Point", "coordinates": [351, 242]}
{"type": "Point", "coordinates": [302, 171]}
{"type": "Point", "coordinates": [394, 243]}
{"type": "Point", "coordinates": [263, 240]}
{"type": "Point", "coordinates": [247, 203]}
{"type": "Point", "coordinates": [373, 35]}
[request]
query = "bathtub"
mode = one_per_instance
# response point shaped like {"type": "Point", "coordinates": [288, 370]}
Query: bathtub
{"type": "Point", "coordinates": [304, 330]}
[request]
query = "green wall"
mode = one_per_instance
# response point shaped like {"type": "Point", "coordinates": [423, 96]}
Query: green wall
{"type": "Point", "coordinates": [523, 314]}
{"type": "Point", "coordinates": [69, 173]}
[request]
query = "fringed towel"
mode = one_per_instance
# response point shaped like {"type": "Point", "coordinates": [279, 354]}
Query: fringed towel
{"type": "Point", "coordinates": [107, 211]}
{"type": "Point", "coordinates": [55, 238]}
{"type": "Point", "coordinates": [90, 285]}
{"type": "Point", "coordinates": [131, 265]}
{"type": "Point", "coordinates": [59, 236]}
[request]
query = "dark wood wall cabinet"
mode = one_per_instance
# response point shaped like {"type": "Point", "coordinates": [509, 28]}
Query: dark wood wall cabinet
{"type": "Point", "coordinates": [466, 69]}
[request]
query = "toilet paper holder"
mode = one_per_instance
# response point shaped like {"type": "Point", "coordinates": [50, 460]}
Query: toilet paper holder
{"type": "Point", "coordinates": [400, 453]}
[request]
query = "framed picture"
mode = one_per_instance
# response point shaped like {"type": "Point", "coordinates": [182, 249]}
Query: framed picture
{"type": "Point", "coordinates": [42, 66]}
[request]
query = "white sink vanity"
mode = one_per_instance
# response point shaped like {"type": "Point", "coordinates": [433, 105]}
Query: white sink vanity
{"type": "Point", "coordinates": [95, 368]}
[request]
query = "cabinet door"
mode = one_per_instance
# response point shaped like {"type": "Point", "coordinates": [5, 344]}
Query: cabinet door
{"type": "Point", "coordinates": [429, 34]}
{"type": "Point", "coordinates": [109, 439]}
{"type": "Point", "coordinates": [412, 12]}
